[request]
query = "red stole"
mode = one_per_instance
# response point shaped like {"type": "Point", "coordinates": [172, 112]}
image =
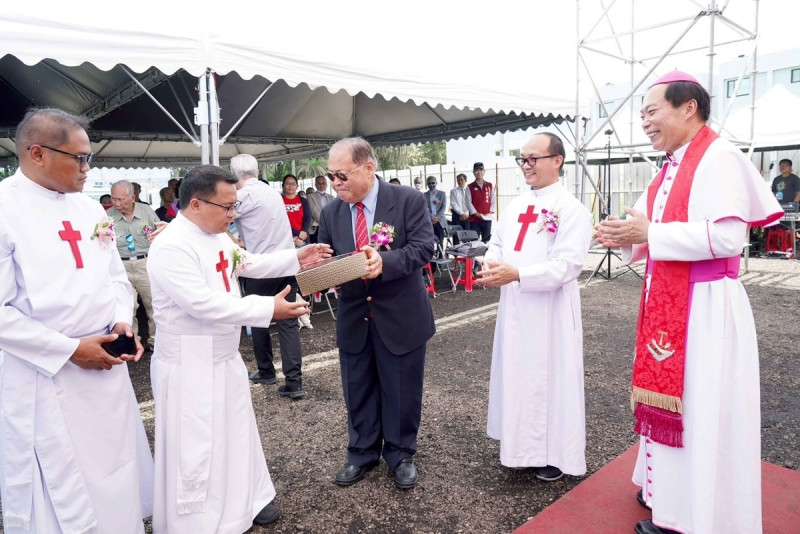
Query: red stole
{"type": "Point", "coordinates": [661, 330]}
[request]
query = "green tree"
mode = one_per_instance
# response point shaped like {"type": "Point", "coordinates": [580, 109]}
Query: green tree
{"type": "Point", "coordinates": [434, 153]}
{"type": "Point", "coordinates": [312, 167]}
{"type": "Point", "coordinates": [394, 157]}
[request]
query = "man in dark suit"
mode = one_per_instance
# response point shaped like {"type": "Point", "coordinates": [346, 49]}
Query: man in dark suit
{"type": "Point", "coordinates": [385, 319]}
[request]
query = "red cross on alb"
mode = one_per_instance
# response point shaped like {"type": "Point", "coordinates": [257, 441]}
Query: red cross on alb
{"type": "Point", "coordinates": [222, 267]}
{"type": "Point", "coordinates": [526, 219]}
{"type": "Point", "coordinates": [73, 236]}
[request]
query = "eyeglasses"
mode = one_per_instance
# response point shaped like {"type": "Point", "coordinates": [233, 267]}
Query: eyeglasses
{"type": "Point", "coordinates": [83, 159]}
{"type": "Point", "coordinates": [532, 160]}
{"type": "Point", "coordinates": [341, 175]}
{"type": "Point", "coordinates": [129, 239]}
{"type": "Point", "coordinates": [229, 210]}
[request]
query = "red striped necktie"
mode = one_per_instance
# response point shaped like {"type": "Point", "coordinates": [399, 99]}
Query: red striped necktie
{"type": "Point", "coordinates": [362, 236]}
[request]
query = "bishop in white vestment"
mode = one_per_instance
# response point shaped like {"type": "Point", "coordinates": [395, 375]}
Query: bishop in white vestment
{"type": "Point", "coordinates": [74, 456]}
{"type": "Point", "coordinates": [211, 473]}
{"type": "Point", "coordinates": [536, 397]}
{"type": "Point", "coordinates": [711, 482]}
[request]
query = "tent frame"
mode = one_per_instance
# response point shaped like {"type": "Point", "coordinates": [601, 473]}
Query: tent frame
{"type": "Point", "coordinates": [639, 151]}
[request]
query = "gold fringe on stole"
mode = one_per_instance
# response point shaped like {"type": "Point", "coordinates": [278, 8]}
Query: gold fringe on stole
{"type": "Point", "coordinates": [659, 400]}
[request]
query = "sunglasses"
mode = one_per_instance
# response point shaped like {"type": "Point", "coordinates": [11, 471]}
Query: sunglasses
{"type": "Point", "coordinates": [341, 175]}
{"type": "Point", "coordinates": [83, 159]}
{"type": "Point", "coordinates": [129, 240]}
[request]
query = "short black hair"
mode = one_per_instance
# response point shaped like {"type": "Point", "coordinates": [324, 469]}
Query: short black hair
{"type": "Point", "coordinates": [786, 161]}
{"type": "Point", "coordinates": [461, 175]}
{"type": "Point", "coordinates": [556, 147]}
{"type": "Point", "coordinates": [201, 182]}
{"type": "Point", "coordinates": [50, 126]}
{"type": "Point", "coordinates": [287, 177]}
{"type": "Point", "coordinates": [678, 93]}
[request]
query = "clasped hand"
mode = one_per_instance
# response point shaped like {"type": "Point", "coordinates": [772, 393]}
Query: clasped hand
{"type": "Point", "coordinates": [615, 232]}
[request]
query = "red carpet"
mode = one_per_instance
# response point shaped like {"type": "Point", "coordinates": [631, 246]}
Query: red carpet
{"type": "Point", "coordinates": [605, 503]}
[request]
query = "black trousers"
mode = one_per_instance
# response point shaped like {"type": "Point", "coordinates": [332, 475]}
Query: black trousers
{"type": "Point", "coordinates": [383, 395]}
{"type": "Point", "coordinates": [484, 229]}
{"type": "Point", "coordinates": [288, 332]}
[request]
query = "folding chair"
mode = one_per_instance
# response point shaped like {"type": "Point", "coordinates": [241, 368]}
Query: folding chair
{"type": "Point", "coordinates": [448, 231]}
{"type": "Point", "coordinates": [442, 262]}
{"type": "Point", "coordinates": [465, 254]}
{"type": "Point", "coordinates": [317, 297]}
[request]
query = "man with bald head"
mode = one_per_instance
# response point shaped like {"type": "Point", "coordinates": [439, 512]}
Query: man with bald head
{"type": "Point", "coordinates": [695, 375]}
{"type": "Point", "coordinates": [385, 319]}
{"type": "Point", "coordinates": [535, 256]}
{"type": "Point", "coordinates": [74, 456]}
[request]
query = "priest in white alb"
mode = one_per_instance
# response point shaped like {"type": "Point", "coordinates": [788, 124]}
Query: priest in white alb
{"type": "Point", "coordinates": [74, 456]}
{"type": "Point", "coordinates": [211, 474]}
{"type": "Point", "coordinates": [536, 400]}
{"type": "Point", "coordinates": [695, 374]}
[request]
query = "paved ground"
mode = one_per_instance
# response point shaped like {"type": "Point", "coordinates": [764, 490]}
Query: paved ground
{"type": "Point", "coordinates": [462, 486]}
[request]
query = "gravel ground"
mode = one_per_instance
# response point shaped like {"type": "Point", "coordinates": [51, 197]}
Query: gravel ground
{"type": "Point", "coordinates": [463, 487]}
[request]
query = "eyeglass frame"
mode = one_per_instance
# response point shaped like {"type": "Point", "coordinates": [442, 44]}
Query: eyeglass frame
{"type": "Point", "coordinates": [332, 176]}
{"type": "Point", "coordinates": [228, 209]}
{"type": "Point", "coordinates": [83, 159]}
{"type": "Point", "coordinates": [522, 161]}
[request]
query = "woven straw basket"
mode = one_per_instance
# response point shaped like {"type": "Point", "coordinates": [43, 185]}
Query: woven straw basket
{"type": "Point", "coordinates": [331, 272]}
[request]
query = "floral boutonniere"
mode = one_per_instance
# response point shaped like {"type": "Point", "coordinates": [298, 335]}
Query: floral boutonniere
{"type": "Point", "coordinates": [241, 261]}
{"type": "Point", "coordinates": [549, 221]}
{"type": "Point", "coordinates": [381, 235]}
{"type": "Point", "coordinates": [146, 231]}
{"type": "Point", "coordinates": [104, 231]}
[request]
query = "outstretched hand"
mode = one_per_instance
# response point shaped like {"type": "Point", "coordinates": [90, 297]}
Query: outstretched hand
{"type": "Point", "coordinates": [496, 274]}
{"type": "Point", "coordinates": [284, 309]}
{"type": "Point", "coordinates": [313, 253]}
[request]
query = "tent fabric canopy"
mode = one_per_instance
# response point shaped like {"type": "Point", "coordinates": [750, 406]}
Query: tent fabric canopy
{"type": "Point", "coordinates": [84, 65]}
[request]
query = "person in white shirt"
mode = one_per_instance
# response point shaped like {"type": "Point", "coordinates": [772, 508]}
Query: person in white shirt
{"type": "Point", "coordinates": [74, 456]}
{"type": "Point", "coordinates": [461, 204]}
{"type": "Point", "coordinates": [211, 475]}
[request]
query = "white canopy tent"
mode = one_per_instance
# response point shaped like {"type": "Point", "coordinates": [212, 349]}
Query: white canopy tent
{"type": "Point", "coordinates": [283, 92]}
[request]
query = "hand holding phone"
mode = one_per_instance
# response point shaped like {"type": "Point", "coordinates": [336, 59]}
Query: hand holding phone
{"type": "Point", "coordinates": [122, 345]}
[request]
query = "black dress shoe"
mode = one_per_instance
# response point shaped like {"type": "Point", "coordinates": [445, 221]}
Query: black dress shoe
{"type": "Point", "coordinates": [293, 392]}
{"type": "Point", "coordinates": [258, 378]}
{"type": "Point", "coordinates": [647, 527]}
{"type": "Point", "coordinates": [548, 473]}
{"type": "Point", "coordinates": [405, 474]}
{"type": "Point", "coordinates": [267, 515]}
{"type": "Point", "coordinates": [640, 498]}
{"type": "Point", "coordinates": [350, 474]}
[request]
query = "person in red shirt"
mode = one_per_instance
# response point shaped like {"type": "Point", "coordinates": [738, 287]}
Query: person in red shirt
{"type": "Point", "coordinates": [297, 209]}
{"type": "Point", "coordinates": [482, 195]}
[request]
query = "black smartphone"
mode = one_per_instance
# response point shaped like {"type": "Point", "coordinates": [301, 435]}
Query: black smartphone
{"type": "Point", "coordinates": [122, 345]}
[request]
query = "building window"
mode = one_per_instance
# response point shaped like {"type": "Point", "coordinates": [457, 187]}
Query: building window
{"type": "Point", "coordinates": [730, 85]}
{"type": "Point", "coordinates": [515, 152]}
{"type": "Point", "coordinates": [795, 75]}
{"type": "Point", "coordinates": [610, 106]}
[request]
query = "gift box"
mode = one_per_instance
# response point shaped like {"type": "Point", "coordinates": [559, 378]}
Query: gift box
{"type": "Point", "coordinates": [331, 272]}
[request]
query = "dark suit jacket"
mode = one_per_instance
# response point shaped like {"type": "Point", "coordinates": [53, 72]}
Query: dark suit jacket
{"type": "Point", "coordinates": [397, 299]}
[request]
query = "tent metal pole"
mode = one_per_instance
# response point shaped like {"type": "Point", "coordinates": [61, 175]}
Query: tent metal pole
{"type": "Point", "coordinates": [162, 108]}
{"type": "Point", "coordinates": [213, 118]}
{"type": "Point", "coordinates": [201, 118]}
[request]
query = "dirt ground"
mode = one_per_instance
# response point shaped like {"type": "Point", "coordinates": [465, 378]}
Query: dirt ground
{"type": "Point", "coordinates": [463, 487]}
